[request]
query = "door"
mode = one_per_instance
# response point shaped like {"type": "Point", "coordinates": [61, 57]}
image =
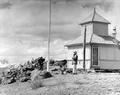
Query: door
{"type": "Point", "coordinates": [95, 55]}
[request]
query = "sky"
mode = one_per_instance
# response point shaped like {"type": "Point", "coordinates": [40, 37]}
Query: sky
{"type": "Point", "coordinates": [24, 25]}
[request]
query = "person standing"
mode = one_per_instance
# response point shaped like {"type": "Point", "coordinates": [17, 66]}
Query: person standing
{"type": "Point", "coordinates": [75, 59]}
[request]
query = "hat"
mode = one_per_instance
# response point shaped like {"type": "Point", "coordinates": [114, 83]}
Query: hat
{"type": "Point", "coordinates": [75, 52]}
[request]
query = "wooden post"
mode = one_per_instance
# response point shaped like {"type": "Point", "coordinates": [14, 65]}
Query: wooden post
{"type": "Point", "coordinates": [84, 49]}
{"type": "Point", "coordinates": [49, 32]}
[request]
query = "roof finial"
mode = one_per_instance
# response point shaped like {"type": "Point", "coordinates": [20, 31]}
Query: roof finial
{"type": "Point", "coordinates": [94, 14]}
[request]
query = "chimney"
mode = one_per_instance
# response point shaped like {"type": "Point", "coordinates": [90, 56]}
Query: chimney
{"type": "Point", "coordinates": [114, 33]}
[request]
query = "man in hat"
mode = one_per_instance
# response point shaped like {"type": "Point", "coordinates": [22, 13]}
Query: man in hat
{"type": "Point", "coordinates": [75, 59]}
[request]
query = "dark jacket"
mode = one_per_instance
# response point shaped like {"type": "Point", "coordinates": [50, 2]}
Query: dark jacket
{"type": "Point", "coordinates": [75, 58]}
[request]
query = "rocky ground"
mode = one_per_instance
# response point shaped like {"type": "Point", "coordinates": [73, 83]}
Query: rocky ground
{"type": "Point", "coordinates": [81, 84]}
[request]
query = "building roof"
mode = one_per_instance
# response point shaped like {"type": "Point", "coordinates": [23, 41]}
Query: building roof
{"type": "Point", "coordinates": [102, 39]}
{"type": "Point", "coordinates": [94, 17]}
{"type": "Point", "coordinates": [79, 40]}
{"type": "Point", "coordinates": [93, 38]}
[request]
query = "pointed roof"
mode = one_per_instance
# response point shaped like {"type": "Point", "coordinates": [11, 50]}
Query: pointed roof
{"type": "Point", "coordinates": [94, 17]}
{"type": "Point", "coordinates": [92, 38]}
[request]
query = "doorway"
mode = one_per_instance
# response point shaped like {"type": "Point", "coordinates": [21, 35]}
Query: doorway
{"type": "Point", "coordinates": [95, 55]}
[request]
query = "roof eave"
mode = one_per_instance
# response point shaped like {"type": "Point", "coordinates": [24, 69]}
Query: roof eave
{"type": "Point", "coordinates": [94, 22]}
{"type": "Point", "coordinates": [77, 44]}
{"type": "Point", "coordinates": [70, 45]}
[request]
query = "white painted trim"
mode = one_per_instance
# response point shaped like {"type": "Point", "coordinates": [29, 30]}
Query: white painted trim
{"type": "Point", "coordinates": [80, 60]}
{"type": "Point", "coordinates": [107, 60]}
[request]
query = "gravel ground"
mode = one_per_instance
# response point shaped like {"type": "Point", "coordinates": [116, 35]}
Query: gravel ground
{"type": "Point", "coordinates": [81, 84]}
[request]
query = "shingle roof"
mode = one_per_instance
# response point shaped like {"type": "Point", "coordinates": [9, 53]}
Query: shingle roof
{"type": "Point", "coordinates": [95, 17]}
{"type": "Point", "coordinates": [102, 39]}
{"type": "Point", "coordinates": [80, 40]}
{"type": "Point", "coordinates": [93, 38]}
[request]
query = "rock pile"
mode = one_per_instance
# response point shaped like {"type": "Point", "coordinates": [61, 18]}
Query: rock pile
{"type": "Point", "coordinates": [22, 73]}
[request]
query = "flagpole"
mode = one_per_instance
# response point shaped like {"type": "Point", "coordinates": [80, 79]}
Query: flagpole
{"type": "Point", "coordinates": [49, 32]}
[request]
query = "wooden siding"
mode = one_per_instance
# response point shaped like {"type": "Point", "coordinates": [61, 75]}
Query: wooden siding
{"type": "Point", "coordinates": [89, 29]}
{"type": "Point", "coordinates": [100, 29]}
{"type": "Point", "coordinates": [109, 53]}
{"type": "Point", "coordinates": [109, 57]}
{"type": "Point", "coordinates": [79, 50]}
{"type": "Point", "coordinates": [79, 65]}
{"type": "Point", "coordinates": [96, 28]}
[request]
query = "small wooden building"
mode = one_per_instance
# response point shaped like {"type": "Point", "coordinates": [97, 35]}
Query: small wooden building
{"type": "Point", "coordinates": [102, 50]}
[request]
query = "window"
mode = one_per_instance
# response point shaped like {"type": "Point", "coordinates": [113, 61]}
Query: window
{"type": "Point", "coordinates": [95, 55]}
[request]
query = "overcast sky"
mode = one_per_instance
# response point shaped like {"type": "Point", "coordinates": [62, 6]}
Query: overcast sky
{"type": "Point", "coordinates": [24, 25]}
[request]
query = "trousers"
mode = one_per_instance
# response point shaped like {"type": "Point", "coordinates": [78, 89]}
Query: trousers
{"type": "Point", "coordinates": [74, 68]}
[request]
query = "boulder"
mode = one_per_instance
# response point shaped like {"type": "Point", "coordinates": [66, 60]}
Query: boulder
{"type": "Point", "coordinates": [35, 74]}
{"type": "Point", "coordinates": [24, 79]}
